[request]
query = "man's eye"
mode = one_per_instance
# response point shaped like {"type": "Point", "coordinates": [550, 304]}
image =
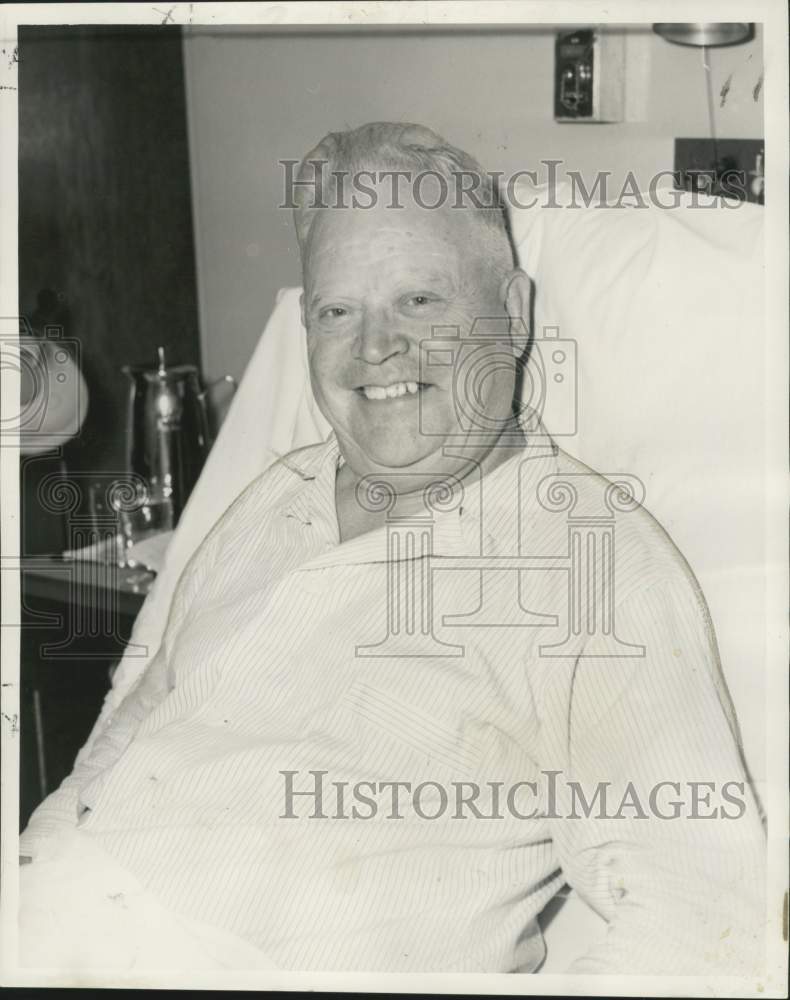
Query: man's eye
{"type": "Point", "coordinates": [333, 312]}
{"type": "Point", "coordinates": [420, 300]}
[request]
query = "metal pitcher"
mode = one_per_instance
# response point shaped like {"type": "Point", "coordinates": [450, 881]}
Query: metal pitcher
{"type": "Point", "coordinates": [168, 428]}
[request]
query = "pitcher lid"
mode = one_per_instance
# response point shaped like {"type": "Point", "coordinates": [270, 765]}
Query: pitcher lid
{"type": "Point", "coordinates": [161, 371]}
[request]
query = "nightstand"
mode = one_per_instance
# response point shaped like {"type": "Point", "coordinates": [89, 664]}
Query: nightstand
{"type": "Point", "coordinates": [76, 620]}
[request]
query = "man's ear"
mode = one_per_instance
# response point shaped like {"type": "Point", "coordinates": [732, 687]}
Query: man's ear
{"type": "Point", "coordinates": [517, 295]}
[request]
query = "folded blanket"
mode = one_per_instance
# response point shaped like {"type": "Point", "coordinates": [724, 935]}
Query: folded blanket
{"type": "Point", "coordinates": [79, 911]}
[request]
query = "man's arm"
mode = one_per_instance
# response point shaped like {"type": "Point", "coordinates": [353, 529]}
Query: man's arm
{"type": "Point", "coordinates": [681, 884]}
{"type": "Point", "coordinates": [60, 809]}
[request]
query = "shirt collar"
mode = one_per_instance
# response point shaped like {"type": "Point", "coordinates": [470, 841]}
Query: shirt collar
{"type": "Point", "coordinates": [313, 500]}
{"type": "Point", "coordinates": [470, 528]}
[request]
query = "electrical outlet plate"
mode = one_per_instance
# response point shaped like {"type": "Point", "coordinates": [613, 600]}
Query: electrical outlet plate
{"type": "Point", "coordinates": [738, 172]}
{"type": "Point", "coordinates": [589, 75]}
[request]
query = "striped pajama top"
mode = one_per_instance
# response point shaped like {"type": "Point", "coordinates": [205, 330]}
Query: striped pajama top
{"type": "Point", "coordinates": [390, 753]}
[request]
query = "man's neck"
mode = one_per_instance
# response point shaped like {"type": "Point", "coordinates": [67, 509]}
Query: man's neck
{"type": "Point", "coordinates": [354, 519]}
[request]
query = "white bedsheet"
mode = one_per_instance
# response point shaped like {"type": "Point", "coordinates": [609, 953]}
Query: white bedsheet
{"type": "Point", "coordinates": [79, 911]}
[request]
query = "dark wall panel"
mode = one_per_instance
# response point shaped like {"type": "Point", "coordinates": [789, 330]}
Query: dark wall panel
{"type": "Point", "coordinates": [105, 223]}
{"type": "Point", "coordinates": [105, 215]}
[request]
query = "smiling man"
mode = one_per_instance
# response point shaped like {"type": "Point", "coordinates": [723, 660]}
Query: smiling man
{"type": "Point", "coordinates": [366, 743]}
{"type": "Point", "coordinates": [378, 280]}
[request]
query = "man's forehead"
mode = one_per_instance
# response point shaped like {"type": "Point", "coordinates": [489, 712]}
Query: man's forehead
{"type": "Point", "coordinates": [441, 234]}
{"type": "Point", "coordinates": [404, 215]}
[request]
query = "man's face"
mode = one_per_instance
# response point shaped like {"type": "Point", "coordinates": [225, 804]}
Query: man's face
{"type": "Point", "coordinates": [377, 283]}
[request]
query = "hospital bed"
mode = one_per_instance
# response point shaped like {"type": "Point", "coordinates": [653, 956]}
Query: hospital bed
{"type": "Point", "coordinates": [649, 360]}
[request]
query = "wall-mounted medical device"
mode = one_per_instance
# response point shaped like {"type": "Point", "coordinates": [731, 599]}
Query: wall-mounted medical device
{"type": "Point", "coordinates": [589, 75]}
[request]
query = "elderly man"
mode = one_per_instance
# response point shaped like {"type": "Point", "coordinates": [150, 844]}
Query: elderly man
{"type": "Point", "coordinates": [399, 703]}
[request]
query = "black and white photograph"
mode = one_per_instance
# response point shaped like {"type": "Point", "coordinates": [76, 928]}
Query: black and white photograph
{"type": "Point", "coordinates": [394, 453]}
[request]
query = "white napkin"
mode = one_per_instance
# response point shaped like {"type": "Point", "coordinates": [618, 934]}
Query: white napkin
{"type": "Point", "coordinates": [149, 552]}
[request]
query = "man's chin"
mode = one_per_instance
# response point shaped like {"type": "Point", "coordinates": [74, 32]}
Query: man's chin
{"type": "Point", "coordinates": [396, 455]}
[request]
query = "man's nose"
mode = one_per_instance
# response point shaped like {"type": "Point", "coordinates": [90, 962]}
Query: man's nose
{"type": "Point", "coordinates": [379, 338]}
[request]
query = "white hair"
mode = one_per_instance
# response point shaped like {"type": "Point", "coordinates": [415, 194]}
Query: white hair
{"type": "Point", "coordinates": [388, 146]}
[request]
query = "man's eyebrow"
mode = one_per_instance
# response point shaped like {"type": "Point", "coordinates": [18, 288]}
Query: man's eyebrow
{"type": "Point", "coordinates": [320, 298]}
{"type": "Point", "coordinates": [422, 279]}
{"type": "Point", "coordinates": [418, 280]}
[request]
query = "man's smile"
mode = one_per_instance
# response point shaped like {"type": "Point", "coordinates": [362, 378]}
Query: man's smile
{"type": "Point", "coordinates": [393, 390]}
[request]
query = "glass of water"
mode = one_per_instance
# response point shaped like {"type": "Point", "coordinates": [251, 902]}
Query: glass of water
{"type": "Point", "coordinates": [152, 515]}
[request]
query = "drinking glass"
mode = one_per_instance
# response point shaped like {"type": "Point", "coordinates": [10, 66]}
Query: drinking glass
{"type": "Point", "coordinates": [152, 515]}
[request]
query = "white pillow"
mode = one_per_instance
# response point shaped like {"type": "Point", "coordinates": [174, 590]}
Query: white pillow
{"type": "Point", "coordinates": [666, 306]}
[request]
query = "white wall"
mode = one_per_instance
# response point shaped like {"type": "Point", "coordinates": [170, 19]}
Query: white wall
{"type": "Point", "coordinates": [255, 97]}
